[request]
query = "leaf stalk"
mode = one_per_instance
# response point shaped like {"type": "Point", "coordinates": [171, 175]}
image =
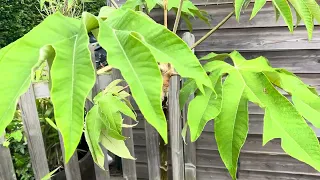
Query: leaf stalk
{"type": "Point", "coordinates": [177, 20]}
{"type": "Point", "coordinates": [213, 30]}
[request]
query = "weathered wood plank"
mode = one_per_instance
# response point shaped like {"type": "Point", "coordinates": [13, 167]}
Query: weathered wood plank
{"type": "Point", "coordinates": [128, 165]}
{"type": "Point", "coordinates": [32, 129]}
{"type": "Point", "coordinates": [151, 140]}
{"type": "Point", "coordinates": [72, 168]}
{"type": "Point", "coordinates": [302, 61]}
{"type": "Point", "coordinates": [175, 129]}
{"type": "Point", "coordinates": [254, 175]}
{"type": "Point", "coordinates": [257, 39]}
{"type": "Point", "coordinates": [190, 155]}
{"type": "Point", "coordinates": [6, 166]}
{"type": "Point", "coordinates": [274, 163]}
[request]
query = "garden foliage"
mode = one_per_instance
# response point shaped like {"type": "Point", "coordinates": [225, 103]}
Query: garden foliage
{"type": "Point", "coordinates": [135, 45]}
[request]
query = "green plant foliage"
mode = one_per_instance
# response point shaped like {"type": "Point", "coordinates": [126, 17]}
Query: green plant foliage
{"type": "Point", "coordinates": [307, 10]}
{"type": "Point", "coordinates": [254, 80]}
{"type": "Point", "coordinates": [189, 10]}
{"type": "Point", "coordinates": [73, 77]}
{"type": "Point", "coordinates": [104, 123]}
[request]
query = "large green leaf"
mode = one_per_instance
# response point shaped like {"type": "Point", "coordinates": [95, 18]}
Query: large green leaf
{"type": "Point", "coordinates": [247, 81]}
{"type": "Point", "coordinates": [297, 138]}
{"type": "Point", "coordinates": [165, 46]}
{"type": "Point", "coordinates": [72, 77]}
{"type": "Point", "coordinates": [93, 128]}
{"type": "Point", "coordinates": [305, 101]}
{"type": "Point", "coordinates": [18, 59]}
{"type": "Point", "coordinates": [231, 126]}
{"type": "Point", "coordinates": [204, 108]}
{"type": "Point", "coordinates": [238, 4]}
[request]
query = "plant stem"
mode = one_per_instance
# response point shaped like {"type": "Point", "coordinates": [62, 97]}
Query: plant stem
{"type": "Point", "coordinates": [114, 4]}
{"type": "Point", "coordinates": [165, 13]}
{"type": "Point", "coordinates": [213, 30]}
{"type": "Point", "coordinates": [176, 22]}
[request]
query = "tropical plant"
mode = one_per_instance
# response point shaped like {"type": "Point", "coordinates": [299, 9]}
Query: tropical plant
{"type": "Point", "coordinates": [148, 54]}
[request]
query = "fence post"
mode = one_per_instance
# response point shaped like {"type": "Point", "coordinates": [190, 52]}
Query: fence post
{"type": "Point", "coordinates": [31, 125]}
{"type": "Point", "coordinates": [6, 165]}
{"type": "Point", "coordinates": [128, 165]}
{"type": "Point", "coordinates": [175, 129]}
{"type": "Point", "coordinates": [153, 155]}
{"type": "Point", "coordinates": [100, 173]}
{"type": "Point", "coordinates": [189, 147]}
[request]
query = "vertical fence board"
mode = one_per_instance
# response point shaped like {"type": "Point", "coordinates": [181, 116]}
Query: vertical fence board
{"type": "Point", "coordinates": [72, 168]}
{"type": "Point", "coordinates": [31, 125]}
{"type": "Point", "coordinates": [153, 155]}
{"type": "Point", "coordinates": [175, 129]}
{"type": "Point", "coordinates": [128, 165]}
{"type": "Point", "coordinates": [6, 165]}
{"type": "Point", "coordinates": [189, 147]}
{"type": "Point", "coordinates": [100, 173]}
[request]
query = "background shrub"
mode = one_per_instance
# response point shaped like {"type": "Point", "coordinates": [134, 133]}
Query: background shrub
{"type": "Point", "coordinates": [17, 17]}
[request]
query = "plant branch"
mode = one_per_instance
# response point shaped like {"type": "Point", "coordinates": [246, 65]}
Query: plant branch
{"type": "Point", "coordinates": [213, 30]}
{"type": "Point", "coordinates": [176, 22]}
{"type": "Point", "coordinates": [114, 4]}
{"type": "Point", "coordinates": [165, 13]}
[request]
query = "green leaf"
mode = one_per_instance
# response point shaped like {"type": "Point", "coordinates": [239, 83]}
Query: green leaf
{"type": "Point", "coordinates": [258, 4]}
{"type": "Point", "coordinates": [231, 126]}
{"type": "Point", "coordinates": [297, 138]}
{"type": "Point", "coordinates": [152, 3]}
{"type": "Point", "coordinates": [238, 4]}
{"type": "Point", "coordinates": [285, 11]}
{"type": "Point", "coordinates": [313, 8]}
{"type": "Point", "coordinates": [305, 14]}
{"type": "Point", "coordinates": [93, 126]}
{"type": "Point", "coordinates": [213, 56]}
{"type": "Point", "coordinates": [276, 12]}
{"type": "Point", "coordinates": [106, 11]}
{"type": "Point", "coordinates": [155, 37]}
{"type": "Point", "coordinates": [18, 78]}
{"type": "Point", "coordinates": [50, 174]}
{"type": "Point", "coordinates": [51, 123]}
{"type": "Point", "coordinates": [204, 108]}
{"type": "Point", "coordinates": [73, 77]}
{"type": "Point", "coordinates": [16, 135]}
{"type": "Point", "coordinates": [111, 116]}
{"type": "Point", "coordinates": [306, 102]}
{"type": "Point", "coordinates": [189, 87]}
{"type": "Point", "coordinates": [115, 146]}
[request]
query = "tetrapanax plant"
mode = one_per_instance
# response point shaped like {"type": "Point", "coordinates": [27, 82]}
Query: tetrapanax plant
{"type": "Point", "coordinates": [140, 48]}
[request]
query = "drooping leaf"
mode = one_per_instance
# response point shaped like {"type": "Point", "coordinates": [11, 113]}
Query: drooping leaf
{"type": "Point", "coordinates": [72, 77]}
{"type": "Point", "coordinates": [117, 147]}
{"type": "Point", "coordinates": [285, 11]}
{"type": "Point", "coordinates": [204, 108]}
{"type": "Point", "coordinates": [238, 4]}
{"type": "Point", "coordinates": [17, 79]}
{"type": "Point", "coordinates": [93, 126]}
{"type": "Point", "coordinates": [306, 102]}
{"type": "Point", "coordinates": [303, 13]}
{"type": "Point", "coordinates": [231, 126]}
{"type": "Point", "coordinates": [258, 4]}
